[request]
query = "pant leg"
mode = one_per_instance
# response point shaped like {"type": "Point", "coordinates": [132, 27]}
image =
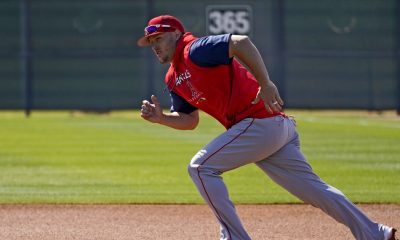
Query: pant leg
{"type": "Point", "coordinates": [249, 141]}
{"type": "Point", "coordinates": [289, 168]}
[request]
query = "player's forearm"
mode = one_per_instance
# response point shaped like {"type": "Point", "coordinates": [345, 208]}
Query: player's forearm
{"type": "Point", "coordinates": [180, 121]}
{"type": "Point", "coordinates": [242, 48]}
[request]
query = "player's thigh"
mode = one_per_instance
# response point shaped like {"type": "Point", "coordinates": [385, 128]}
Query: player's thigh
{"type": "Point", "coordinates": [289, 168]}
{"type": "Point", "coordinates": [249, 141]}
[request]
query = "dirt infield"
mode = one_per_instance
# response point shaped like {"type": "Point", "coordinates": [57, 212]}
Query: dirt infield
{"type": "Point", "coordinates": [174, 222]}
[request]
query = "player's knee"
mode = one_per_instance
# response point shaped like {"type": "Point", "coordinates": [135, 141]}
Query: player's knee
{"type": "Point", "coordinates": [193, 167]}
{"type": "Point", "coordinates": [192, 170]}
{"type": "Point", "coordinates": [196, 171]}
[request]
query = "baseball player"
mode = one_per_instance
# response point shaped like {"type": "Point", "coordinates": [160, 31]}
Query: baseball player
{"type": "Point", "coordinates": [205, 74]}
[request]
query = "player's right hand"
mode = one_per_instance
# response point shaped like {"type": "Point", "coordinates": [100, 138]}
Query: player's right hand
{"type": "Point", "coordinates": [270, 95]}
{"type": "Point", "coordinates": [151, 111]}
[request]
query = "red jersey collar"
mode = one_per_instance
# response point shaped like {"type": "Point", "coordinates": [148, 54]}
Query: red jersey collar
{"type": "Point", "coordinates": [180, 45]}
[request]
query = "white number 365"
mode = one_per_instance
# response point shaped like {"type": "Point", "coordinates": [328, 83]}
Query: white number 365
{"type": "Point", "coordinates": [228, 22]}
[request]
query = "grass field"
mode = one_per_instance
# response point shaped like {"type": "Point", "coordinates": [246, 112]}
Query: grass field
{"type": "Point", "coordinates": [64, 157]}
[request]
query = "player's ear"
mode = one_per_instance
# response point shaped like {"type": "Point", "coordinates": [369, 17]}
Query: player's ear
{"type": "Point", "coordinates": [178, 34]}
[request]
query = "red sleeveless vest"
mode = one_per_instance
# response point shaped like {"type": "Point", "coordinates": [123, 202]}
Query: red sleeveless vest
{"type": "Point", "coordinates": [224, 91]}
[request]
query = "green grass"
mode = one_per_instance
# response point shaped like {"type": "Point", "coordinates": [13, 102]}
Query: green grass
{"type": "Point", "coordinates": [60, 157]}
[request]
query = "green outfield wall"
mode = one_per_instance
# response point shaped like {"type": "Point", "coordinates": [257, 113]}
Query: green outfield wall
{"type": "Point", "coordinates": [67, 54]}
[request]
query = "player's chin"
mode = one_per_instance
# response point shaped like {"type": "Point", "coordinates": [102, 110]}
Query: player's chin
{"type": "Point", "coordinates": [163, 59]}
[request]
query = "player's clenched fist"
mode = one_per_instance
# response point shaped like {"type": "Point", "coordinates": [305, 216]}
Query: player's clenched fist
{"type": "Point", "coordinates": [151, 111]}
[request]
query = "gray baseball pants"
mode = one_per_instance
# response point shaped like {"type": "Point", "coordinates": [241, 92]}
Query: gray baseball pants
{"type": "Point", "coordinates": [273, 144]}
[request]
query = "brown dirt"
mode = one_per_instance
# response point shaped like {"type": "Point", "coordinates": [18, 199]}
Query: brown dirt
{"type": "Point", "coordinates": [174, 222]}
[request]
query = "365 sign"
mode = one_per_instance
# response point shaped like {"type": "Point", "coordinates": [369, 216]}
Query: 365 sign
{"type": "Point", "coordinates": [236, 19]}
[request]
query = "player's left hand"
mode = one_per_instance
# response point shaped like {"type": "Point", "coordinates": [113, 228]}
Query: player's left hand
{"type": "Point", "coordinates": [270, 95]}
{"type": "Point", "coordinates": [152, 112]}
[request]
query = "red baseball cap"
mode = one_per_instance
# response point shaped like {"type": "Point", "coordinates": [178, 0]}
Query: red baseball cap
{"type": "Point", "coordinates": [160, 24]}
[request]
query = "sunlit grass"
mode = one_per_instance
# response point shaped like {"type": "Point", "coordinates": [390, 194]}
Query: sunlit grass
{"type": "Point", "coordinates": [63, 157]}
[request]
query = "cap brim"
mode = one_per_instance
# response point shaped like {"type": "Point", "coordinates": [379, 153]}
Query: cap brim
{"type": "Point", "coordinates": [144, 41]}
